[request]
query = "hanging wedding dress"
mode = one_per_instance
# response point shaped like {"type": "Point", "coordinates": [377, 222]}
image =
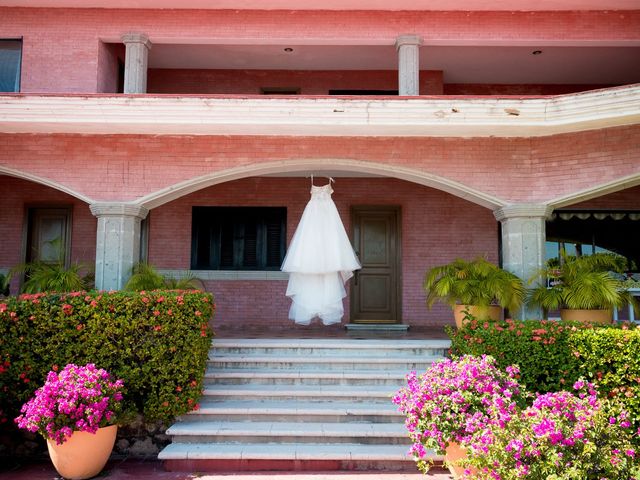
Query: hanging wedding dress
{"type": "Point", "coordinates": [320, 260]}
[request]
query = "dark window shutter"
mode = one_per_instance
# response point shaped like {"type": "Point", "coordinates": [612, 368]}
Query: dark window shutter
{"type": "Point", "coordinates": [238, 238]}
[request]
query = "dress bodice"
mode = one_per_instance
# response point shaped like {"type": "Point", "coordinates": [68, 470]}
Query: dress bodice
{"type": "Point", "coordinates": [323, 191]}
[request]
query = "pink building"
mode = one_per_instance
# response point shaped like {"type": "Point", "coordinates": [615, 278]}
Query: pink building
{"type": "Point", "coordinates": [185, 133]}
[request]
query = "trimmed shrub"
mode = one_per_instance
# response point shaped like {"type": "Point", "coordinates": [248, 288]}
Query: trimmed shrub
{"type": "Point", "coordinates": [553, 355]}
{"type": "Point", "coordinates": [541, 349]}
{"type": "Point", "coordinates": [610, 357]}
{"type": "Point", "coordinates": [157, 342]}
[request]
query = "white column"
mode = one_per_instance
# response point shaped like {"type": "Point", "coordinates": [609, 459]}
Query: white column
{"type": "Point", "coordinates": [136, 61]}
{"type": "Point", "coordinates": [117, 242]}
{"type": "Point", "coordinates": [523, 244]}
{"type": "Point", "coordinates": [408, 47]}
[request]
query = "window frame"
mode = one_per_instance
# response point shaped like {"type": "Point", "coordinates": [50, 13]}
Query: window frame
{"type": "Point", "coordinates": [18, 80]}
{"type": "Point", "coordinates": [208, 224]}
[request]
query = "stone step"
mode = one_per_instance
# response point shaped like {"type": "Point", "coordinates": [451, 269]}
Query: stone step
{"type": "Point", "coordinates": [362, 393]}
{"type": "Point", "coordinates": [295, 411]}
{"type": "Point", "coordinates": [301, 404]}
{"type": "Point", "coordinates": [330, 347]}
{"type": "Point", "coordinates": [288, 432]}
{"type": "Point", "coordinates": [284, 451]}
{"type": "Point", "coordinates": [220, 376]}
{"type": "Point", "coordinates": [323, 363]}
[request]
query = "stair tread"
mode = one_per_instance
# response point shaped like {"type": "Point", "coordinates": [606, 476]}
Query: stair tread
{"type": "Point", "coordinates": [231, 407]}
{"type": "Point", "coordinates": [302, 390]}
{"type": "Point", "coordinates": [322, 359]}
{"type": "Point", "coordinates": [321, 343]}
{"type": "Point", "coordinates": [274, 429]}
{"type": "Point", "coordinates": [309, 451]}
{"type": "Point", "coordinates": [280, 373]}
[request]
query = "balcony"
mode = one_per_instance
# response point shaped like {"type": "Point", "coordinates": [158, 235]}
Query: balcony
{"type": "Point", "coordinates": [320, 115]}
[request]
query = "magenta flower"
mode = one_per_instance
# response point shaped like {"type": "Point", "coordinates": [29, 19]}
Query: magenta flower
{"type": "Point", "coordinates": [75, 399]}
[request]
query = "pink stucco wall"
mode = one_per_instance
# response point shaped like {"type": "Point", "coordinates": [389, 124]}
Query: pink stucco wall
{"type": "Point", "coordinates": [436, 228]}
{"type": "Point", "coordinates": [61, 47]}
{"type": "Point", "coordinates": [127, 167]}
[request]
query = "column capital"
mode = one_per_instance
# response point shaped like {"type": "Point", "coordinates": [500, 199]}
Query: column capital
{"type": "Point", "coordinates": [403, 40]}
{"type": "Point", "coordinates": [136, 38]}
{"type": "Point", "coordinates": [118, 210]}
{"type": "Point", "coordinates": [523, 210]}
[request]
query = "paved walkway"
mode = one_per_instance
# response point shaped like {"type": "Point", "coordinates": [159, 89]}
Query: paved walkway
{"type": "Point", "coordinates": [148, 470]}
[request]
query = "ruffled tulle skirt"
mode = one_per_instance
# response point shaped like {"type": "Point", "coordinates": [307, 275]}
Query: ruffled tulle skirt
{"type": "Point", "coordinates": [320, 260]}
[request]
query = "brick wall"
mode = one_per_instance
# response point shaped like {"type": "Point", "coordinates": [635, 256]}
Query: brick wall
{"type": "Point", "coordinates": [436, 228]}
{"type": "Point", "coordinates": [17, 196]}
{"type": "Point", "coordinates": [126, 167]}
{"type": "Point", "coordinates": [316, 82]}
{"type": "Point", "coordinates": [61, 46]}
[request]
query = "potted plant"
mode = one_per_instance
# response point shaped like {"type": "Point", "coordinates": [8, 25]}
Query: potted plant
{"type": "Point", "coordinates": [561, 435]}
{"type": "Point", "coordinates": [76, 411]}
{"type": "Point", "coordinates": [584, 288]}
{"type": "Point", "coordinates": [447, 404]}
{"type": "Point", "coordinates": [477, 288]}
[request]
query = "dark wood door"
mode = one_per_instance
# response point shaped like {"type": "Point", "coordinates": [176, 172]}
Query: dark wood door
{"type": "Point", "coordinates": [48, 235]}
{"type": "Point", "coordinates": [375, 291]}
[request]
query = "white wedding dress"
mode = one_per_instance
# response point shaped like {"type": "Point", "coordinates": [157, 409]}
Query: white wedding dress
{"type": "Point", "coordinates": [320, 259]}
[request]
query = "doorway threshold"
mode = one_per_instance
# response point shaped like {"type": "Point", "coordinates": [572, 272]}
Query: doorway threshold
{"type": "Point", "coordinates": [376, 327]}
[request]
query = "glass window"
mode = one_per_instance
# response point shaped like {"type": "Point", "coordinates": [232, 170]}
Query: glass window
{"type": "Point", "coordinates": [238, 238]}
{"type": "Point", "coordinates": [10, 56]}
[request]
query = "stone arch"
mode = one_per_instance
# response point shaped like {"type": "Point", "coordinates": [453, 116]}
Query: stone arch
{"type": "Point", "coordinates": [617, 185]}
{"type": "Point", "coordinates": [317, 166]}
{"type": "Point", "coordinates": [44, 181]}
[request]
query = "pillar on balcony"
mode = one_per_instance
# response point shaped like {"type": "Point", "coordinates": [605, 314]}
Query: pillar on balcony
{"type": "Point", "coordinates": [523, 244]}
{"type": "Point", "coordinates": [117, 243]}
{"type": "Point", "coordinates": [136, 61]}
{"type": "Point", "coordinates": [408, 47]}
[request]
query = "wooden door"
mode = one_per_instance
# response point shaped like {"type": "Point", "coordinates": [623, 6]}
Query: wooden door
{"type": "Point", "coordinates": [375, 290]}
{"type": "Point", "coordinates": [48, 235]}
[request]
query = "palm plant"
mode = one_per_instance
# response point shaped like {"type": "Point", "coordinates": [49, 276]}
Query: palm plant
{"type": "Point", "coordinates": [477, 282]}
{"type": "Point", "coordinates": [581, 283]}
{"type": "Point", "coordinates": [43, 276]}
{"type": "Point", "coordinates": [4, 284]}
{"type": "Point", "coordinates": [145, 277]}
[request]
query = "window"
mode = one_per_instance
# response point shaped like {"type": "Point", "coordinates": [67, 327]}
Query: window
{"type": "Point", "coordinates": [354, 92]}
{"type": "Point", "coordinates": [280, 90]}
{"type": "Point", "coordinates": [238, 238]}
{"type": "Point", "coordinates": [10, 57]}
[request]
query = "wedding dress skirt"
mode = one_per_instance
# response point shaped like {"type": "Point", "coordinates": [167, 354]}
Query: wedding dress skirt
{"type": "Point", "coordinates": [320, 259]}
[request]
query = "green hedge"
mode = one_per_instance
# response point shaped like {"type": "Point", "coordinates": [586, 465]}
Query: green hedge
{"type": "Point", "coordinates": [610, 357]}
{"type": "Point", "coordinates": [542, 349]}
{"type": "Point", "coordinates": [553, 355]}
{"type": "Point", "coordinates": [157, 342]}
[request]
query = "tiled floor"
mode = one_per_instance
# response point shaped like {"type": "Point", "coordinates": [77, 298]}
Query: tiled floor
{"type": "Point", "coordinates": [321, 331]}
{"type": "Point", "coordinates": [152, 469]}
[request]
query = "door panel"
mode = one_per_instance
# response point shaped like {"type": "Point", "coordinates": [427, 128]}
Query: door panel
{"type": "Point", "coordinates": [48, 235]}
{"type": "Point", "coordinates": [375, 291]}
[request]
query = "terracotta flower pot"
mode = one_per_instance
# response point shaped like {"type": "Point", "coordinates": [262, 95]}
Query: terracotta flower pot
{"type": "Point", "coordinates": [453, 454]}
{"type": "Point", "coordinates": [83, 455]}
{"type": "Point", "coordinates": [601, 317]}
{"type": "Point", "coordinates": [491, 312]}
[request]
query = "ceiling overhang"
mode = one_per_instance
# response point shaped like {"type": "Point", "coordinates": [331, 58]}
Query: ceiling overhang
{"type": "Point", "coordinates": [441, 116]}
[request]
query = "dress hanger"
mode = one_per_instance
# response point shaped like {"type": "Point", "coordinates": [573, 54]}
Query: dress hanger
{"type": "Point", "coordinates": [331, 180]}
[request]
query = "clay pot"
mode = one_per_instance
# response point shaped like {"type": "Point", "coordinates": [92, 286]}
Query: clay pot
{"type": "Point", "coordinates": [453, 454]}
{"type": "Point", "coordinates": [492, 312]}
{"type": "Point", "coordinates": [84, 454]}
{"type": "Point", "coordinates": [600, 317]}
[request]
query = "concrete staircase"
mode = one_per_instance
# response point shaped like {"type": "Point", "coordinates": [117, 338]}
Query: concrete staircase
{"type": "Point", "coordinates": [293, 404]}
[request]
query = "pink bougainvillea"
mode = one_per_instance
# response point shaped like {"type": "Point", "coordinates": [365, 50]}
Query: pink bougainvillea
{"type": "Point", "coordinates": [74, 399]}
